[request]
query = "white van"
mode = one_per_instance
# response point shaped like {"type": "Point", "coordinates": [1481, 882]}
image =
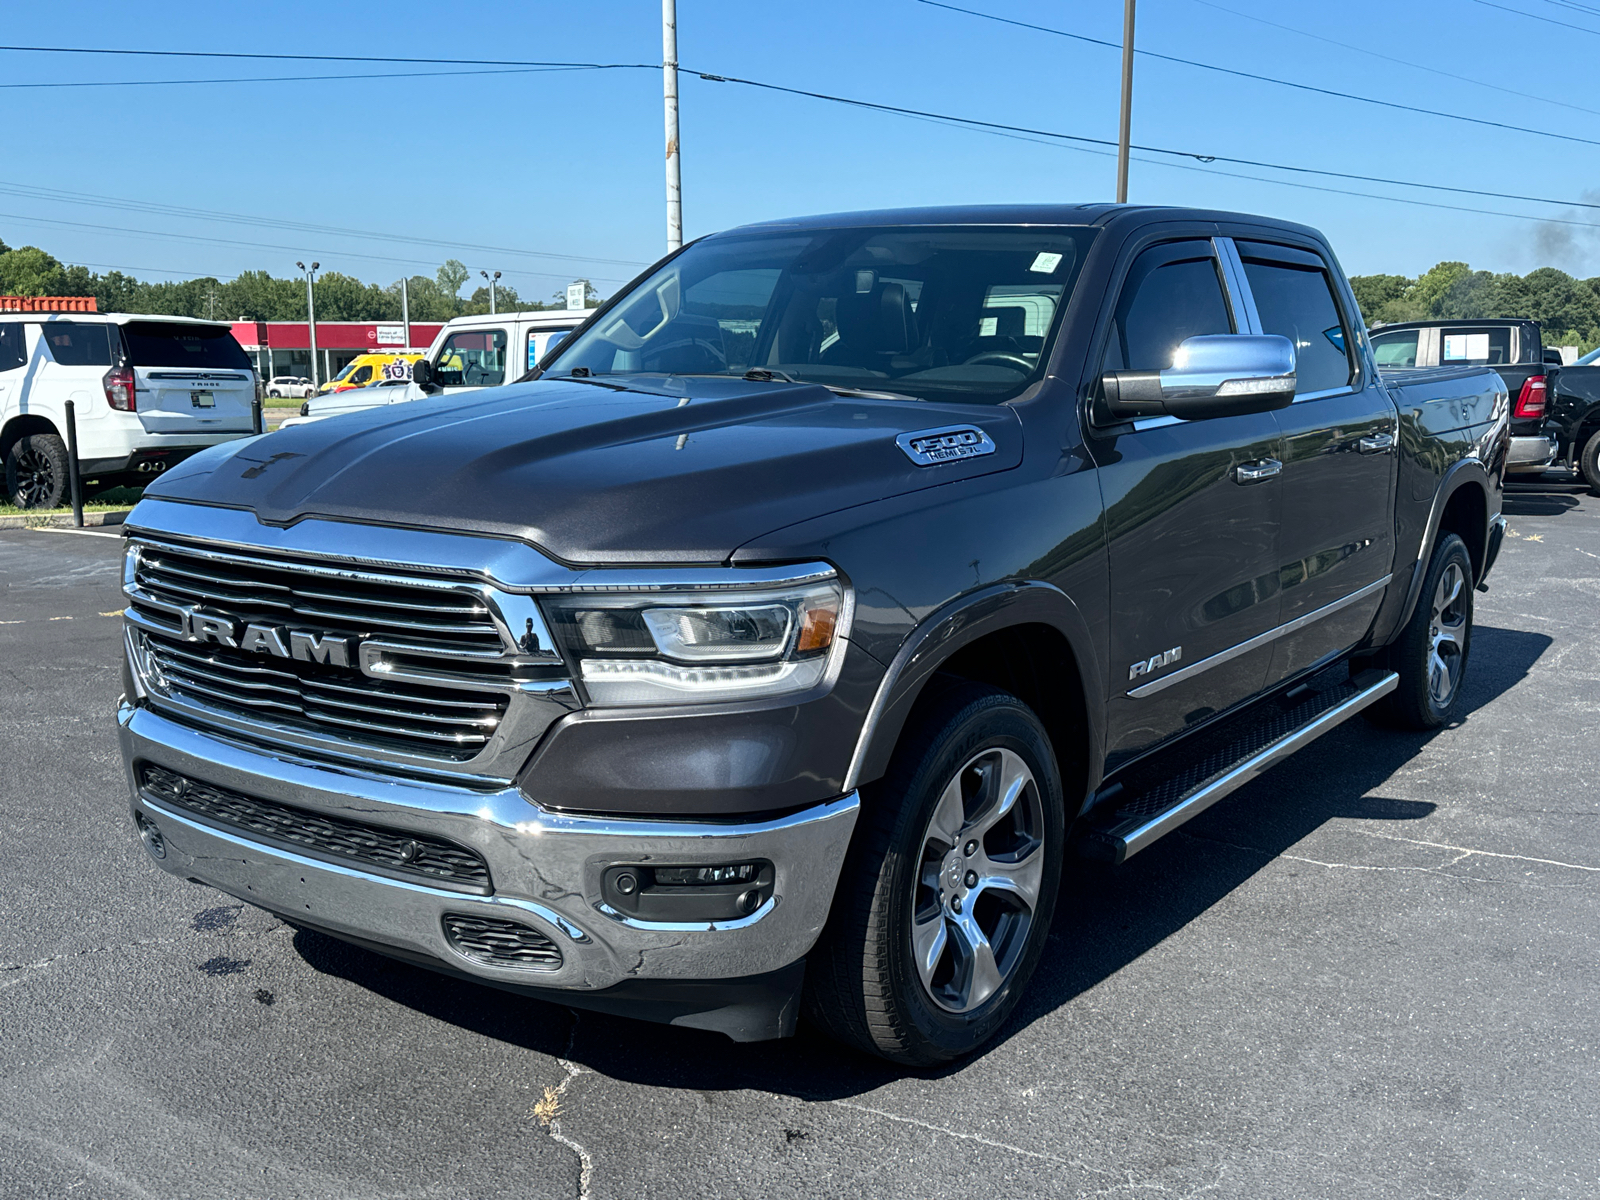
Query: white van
{"type": "Point", "coordinates": [147, 392]}
{"type": "Point", "coordinates": [485, 350]}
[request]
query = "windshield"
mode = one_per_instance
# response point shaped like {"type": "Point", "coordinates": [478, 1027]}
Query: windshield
{"type": "Point", "coordinates": [939, 313]}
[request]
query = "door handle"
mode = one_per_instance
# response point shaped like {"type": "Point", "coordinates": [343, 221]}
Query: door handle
{"type": "Point", "coordinates": [1378, 443]}
{"type": "Point", "coordinates": [1255, 472]}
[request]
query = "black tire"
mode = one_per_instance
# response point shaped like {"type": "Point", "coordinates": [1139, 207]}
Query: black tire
{"type": "Point", "coordinates": [1442, 622]}
{"type": "Point", "coordinates": [1589, 463]}
{"type": "Point", "coordinates": [275, 394]}
{"type": "Point", "coordinates": [37, 475]}
{"type": "Point", "coordinates": [902, 876]}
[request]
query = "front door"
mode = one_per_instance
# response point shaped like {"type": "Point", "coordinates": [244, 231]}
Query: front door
{"type": "Point", "coordinates": [1336, 544]}
{"type": "Point", "coordinates": [1192, 538]}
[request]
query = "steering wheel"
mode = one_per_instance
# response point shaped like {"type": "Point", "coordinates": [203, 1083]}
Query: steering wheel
{"type": "Point", "coordinates": [995, 359]}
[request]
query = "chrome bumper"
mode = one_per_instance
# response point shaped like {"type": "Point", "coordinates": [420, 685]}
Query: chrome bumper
{"type": "Point", "coordinates": [546, 866]}
{"type": "Point", "coordinates": [1531, 454]}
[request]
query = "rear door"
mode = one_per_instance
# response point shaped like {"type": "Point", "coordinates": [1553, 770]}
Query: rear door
{"type": "Point", "coordinates": [191, 378]}
{"type": "Point", "coordinates": [1193, 541]}
{"type": "Point", "coordinates": [1341, 445]}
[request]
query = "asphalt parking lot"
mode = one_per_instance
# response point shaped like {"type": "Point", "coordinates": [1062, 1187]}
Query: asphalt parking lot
{"type": "Point", "coordinates": [1370, 973]}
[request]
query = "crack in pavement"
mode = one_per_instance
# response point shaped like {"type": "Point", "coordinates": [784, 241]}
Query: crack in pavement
{"type": "Point", "coordinates": [552, 1119]}
{"type": "Point", "coordinates": [18, 967]}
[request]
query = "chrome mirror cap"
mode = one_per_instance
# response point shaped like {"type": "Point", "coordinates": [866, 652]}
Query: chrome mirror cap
{"type": "Point", "coordinates": [1212, 375]}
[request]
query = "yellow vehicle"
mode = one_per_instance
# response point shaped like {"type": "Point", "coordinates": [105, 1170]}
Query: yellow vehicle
{"type": "Point", "coordinates": [365, 370]}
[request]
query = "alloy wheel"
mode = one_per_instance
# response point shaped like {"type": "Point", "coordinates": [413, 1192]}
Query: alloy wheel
{"type": "Point", "coordinates": [976, 893]}
{"type": "Point", "coordinates": [36, 478]}
{"type": "Point", "coordinates": [1447, 633]}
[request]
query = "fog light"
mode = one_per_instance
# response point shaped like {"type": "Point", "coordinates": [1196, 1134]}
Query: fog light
{"type": "Point", "coordinates": [681, 894]}
{"type": "Point", "coordinates": [689, 876]}
{"type": "Point", "coordinates": [150, 836]}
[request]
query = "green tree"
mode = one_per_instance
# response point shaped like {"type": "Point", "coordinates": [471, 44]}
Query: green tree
{"type": "Point", "coordinates": [1373, 292]}
{"type": "Point", "coordinates": [451, 275]}
{"type": "Point", "coordinates": [29, 271]}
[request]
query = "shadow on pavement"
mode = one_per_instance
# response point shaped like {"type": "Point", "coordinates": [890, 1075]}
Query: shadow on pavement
{"type": "Point", "coordinates": [1548, 495]}
{"type": "Point", "coordinates": [1107, 917]}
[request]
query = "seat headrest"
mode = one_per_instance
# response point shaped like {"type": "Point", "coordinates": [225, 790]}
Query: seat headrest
{"type": "Point", "coordinates": [880, 320]}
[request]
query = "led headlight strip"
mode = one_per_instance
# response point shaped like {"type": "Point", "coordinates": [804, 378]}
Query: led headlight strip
{"type": "Point", "coordinates": [701, 646]}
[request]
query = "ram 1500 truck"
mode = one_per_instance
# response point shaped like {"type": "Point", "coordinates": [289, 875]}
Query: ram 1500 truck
{"type": "Point", "coordinates": [785, 641]}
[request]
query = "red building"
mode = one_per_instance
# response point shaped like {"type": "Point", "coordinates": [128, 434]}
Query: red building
{"type": "Point", "coordinates": [284, 347]}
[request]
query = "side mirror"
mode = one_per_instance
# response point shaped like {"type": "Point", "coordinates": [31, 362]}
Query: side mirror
{"type": "Point", "coordinates": [1212, 375]}
{"type": "Point", "coordinates": [422, 375]}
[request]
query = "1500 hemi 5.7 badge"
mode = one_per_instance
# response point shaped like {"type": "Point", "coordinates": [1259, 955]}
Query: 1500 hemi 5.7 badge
{"type": "Point", "coordinates": [930, 447]}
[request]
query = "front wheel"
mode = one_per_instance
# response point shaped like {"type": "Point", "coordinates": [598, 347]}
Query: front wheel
{"type": "Point", "coordinates": [1430, 655]}
{"type": "Point", "coordinates": [947, 896]}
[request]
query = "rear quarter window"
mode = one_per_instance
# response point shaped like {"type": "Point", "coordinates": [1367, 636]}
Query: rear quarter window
{"type": "Point", "coordinates": [77, 343]}
{"type": "Point", "coordinates": [169, 344]}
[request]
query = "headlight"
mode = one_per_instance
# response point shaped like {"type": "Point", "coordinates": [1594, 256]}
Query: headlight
{"type": "Point", "coordinates": [701, 647]}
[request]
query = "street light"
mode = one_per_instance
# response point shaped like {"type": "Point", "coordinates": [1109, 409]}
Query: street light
{"type": "Point", "coordinates": [311, 317]}
{"type": "Point", "coordinates": [486, 275]}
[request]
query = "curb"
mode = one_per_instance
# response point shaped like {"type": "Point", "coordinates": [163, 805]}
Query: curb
{"type": "Point", "coordinates": [62, 520]}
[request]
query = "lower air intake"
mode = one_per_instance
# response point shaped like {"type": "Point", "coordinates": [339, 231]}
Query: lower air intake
{"type": "Point", "coordinates": [498, 943]}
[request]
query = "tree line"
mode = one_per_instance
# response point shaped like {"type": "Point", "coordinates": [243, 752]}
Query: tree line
{"type": "Point", "coordinates": [260, 296]}
{"type": "Point", "coordinates": [1567, 309]}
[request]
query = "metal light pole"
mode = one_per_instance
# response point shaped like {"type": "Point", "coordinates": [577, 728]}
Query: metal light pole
{"type": "Point", "coordinates": [669, 81]}
{"type": "Point", "coordinates": [311, 317]}
{"type": "Point", "coordinates": [491, 280]}
{"type": "Point", "coordinates": [1125, 134]}
{"type": "Point", "coordinates": [405, 310]}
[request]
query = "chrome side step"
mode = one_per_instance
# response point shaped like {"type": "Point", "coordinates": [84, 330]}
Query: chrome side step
{"type": "Point", "coordinates": [1141, 818]}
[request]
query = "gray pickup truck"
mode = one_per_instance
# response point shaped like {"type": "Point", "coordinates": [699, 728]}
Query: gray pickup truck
{"type": "Point", "coordinates": [824, 599]}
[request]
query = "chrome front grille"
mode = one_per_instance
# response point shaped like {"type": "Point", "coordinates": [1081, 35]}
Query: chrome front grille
{"type": "Point", "coordinates": [390, 667]}
{"type": "Point", "coordinates": [447, 722]}
{"type": "Point", "coordinates": [424, 613]}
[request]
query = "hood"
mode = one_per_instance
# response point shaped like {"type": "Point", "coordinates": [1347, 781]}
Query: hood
{"type": "Point", "coordinates": [673, 470]}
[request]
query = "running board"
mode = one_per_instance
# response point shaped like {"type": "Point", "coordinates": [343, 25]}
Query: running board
{"type": "Point", "coordinates": [1287, 726]}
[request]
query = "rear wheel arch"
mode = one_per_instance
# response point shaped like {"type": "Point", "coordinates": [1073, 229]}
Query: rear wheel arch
{"type": "Point", "coordinates": [1028, 639]}
{"type": "Point", "coordinates": [1466, 514]}
{"type": "Point", "coordinates": [24, 426]}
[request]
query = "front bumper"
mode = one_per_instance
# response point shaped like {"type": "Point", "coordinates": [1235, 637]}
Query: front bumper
{"type": "Point", "coordinates": [1531, 455]}
{"type": "Point", "coordinates": [546, 869]}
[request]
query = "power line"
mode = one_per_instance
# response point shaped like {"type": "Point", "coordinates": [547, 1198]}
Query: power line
{"type": "Point", "coordinates": [110, 83]}
{"type": "Point", "coordinates": [1196, 155]}
{"type": "Point", "coordinates": [1403, 62]}
{"type": "Point", "coordinates": [369, 58]}
{"type": "Point", "coordinates": [1536, 17]}
{"type": "Point", "coordinates": [1288, 83]}
{"type": "Point", "coordinates": [93, 200]}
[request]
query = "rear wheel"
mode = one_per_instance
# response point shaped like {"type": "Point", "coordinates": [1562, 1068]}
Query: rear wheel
{"type": "Point", "coordinates": [946, 899]}
{"type": "Point", "coordinates": [1589, 462]}
{"type": "Point", "coordinates": [37, 475]}
{"type": "Point", "coordinates": [1430, 655]}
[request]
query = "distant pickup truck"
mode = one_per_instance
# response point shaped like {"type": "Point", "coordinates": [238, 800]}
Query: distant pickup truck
{"type": "Point", "coordinates": [1512, 346]}
{"type": "Point", "coordinates": [1574, 420]}
{"type": "Point", "coordinates": [784, 641]}
{"type": "Point", "coordinates": [483, 350]}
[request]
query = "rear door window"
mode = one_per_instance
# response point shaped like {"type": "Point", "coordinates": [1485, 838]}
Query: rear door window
{"type": "Point", "coordinates": [1397, 349]}
{"type": "Point", "coordinates": [1489, 347]}
{"type": "Point", "coordinates": [171, 344]}
{"type": "Point", "coordinates": [78, 343]}
{"type": "Point", "coordinates": [13, 345]}
{"type": "Point", "coordinates": [1297, 302]}
{"type": "Point", "coordinates": [472, 358]}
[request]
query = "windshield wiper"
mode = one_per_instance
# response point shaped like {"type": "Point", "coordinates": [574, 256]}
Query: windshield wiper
{"type": "Point", "coordinates": [586, 377]}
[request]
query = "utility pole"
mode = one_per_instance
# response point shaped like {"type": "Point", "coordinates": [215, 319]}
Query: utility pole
{"type": "Point", "coordinates": [1125, 135]}
{"type": "Point", "coordinates": [669, 82]}
{"type": "Point", "coordinates": [492, 279]}
{"type": "Point", "coordinates": [405, 310]}
{"type": "Point", "coordinates": [211, 304]}
{"type": "Point", "coordinates": [311, 317]}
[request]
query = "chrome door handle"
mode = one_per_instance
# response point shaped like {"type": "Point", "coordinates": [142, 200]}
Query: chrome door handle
{"type": "Point", "coordinates": [1257, 471]}
{"type": "Point", "coordinates": [1378, 443]}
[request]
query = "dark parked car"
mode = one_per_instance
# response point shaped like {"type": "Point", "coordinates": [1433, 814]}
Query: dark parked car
{"type": "Point", "coordinates": [1512, 346]}
{"type": "Point", "coordinates": [1575, 416]}
{"type": "Point", "coordinates": [782, 644]}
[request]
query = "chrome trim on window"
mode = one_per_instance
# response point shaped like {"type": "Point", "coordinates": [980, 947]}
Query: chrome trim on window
{"type": "Point", "coordinates": [1240, 298]}
{"type": "Point", "coordinates": [1255, 643]}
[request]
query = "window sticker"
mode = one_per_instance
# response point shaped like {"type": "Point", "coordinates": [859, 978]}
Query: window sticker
{"type": "Point", "coordinates": [1466, 347]}
{"type": "Point", "coordinates": [1336, 336]}
{"type": "Point", "coordinates": [1045, 262]}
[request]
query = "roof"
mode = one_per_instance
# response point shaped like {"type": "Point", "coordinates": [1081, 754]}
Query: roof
{"type": "Point", "coordinates": [1022, 214]}
{"type": "Point", "coordinates": [1456, 323]}
{"type": "Point", "coordinates": [539, 316]}
{"type": "Point", "coordinates": [124, 318]}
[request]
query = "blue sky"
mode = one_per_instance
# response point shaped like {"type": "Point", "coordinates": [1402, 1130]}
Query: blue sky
{"type": "Point", "coordinates": [570, 163]}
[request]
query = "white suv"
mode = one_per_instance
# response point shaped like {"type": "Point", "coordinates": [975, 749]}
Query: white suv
{"type": "Point", "coordinates": [147, 392]}
{"type": "Point", "coordinates": [295, 387]}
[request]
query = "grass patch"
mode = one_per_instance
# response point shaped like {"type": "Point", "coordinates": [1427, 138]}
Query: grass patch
{"type": "Point", "coordinates": [107, 501]}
